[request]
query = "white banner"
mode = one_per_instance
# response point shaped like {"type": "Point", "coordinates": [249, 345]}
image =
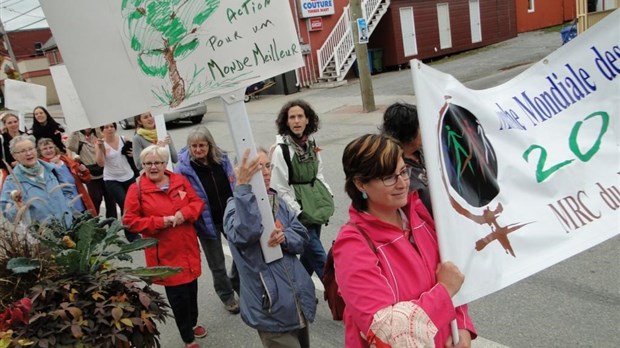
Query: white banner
{"type": "Point", "coordinates": [23, 96]}
{"type": "Point", "coordinates": [525, 174]}
{"type": "Point", "coordinates": [127, 57]}
{"type": "Point", "coordinates": [75, 116]}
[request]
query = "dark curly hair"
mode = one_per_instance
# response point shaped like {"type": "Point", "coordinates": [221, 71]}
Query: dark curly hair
{"type": "Point", "coordinates": [400, 121]}
{"type": "Point", "coordinates": [282, 120]}
{"type": "Point", "coordinates": [368, 157]}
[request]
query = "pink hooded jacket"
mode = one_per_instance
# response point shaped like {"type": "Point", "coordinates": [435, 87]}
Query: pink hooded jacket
{"type": "Point", "coordinates": [400, 271]}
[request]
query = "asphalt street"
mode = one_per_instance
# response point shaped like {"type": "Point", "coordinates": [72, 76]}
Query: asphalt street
{"type": "Point", "coordinates": [573, 304]}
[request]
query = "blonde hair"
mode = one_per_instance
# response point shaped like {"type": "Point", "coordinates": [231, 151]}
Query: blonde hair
{"type": "Point", "coordinates": [161, 151]}
{"type": "Point", "coordinates": [4, 116]}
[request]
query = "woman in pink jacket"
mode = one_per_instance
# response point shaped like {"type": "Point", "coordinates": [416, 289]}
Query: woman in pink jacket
{"type": "Point", "coordinates": [396, 291]}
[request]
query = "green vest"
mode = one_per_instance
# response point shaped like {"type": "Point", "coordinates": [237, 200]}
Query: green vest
{"type": "Point", "coordinates": [317, 204]}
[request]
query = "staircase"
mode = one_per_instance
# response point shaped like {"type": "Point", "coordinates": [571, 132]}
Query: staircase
{"type": "Point", "coordinates": [337, 55]}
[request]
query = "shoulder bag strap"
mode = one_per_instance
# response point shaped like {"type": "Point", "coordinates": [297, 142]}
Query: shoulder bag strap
{"type": "Point", "coordinates": [80, 147]}
{"type": "Point", "coordinates": [139, 192]}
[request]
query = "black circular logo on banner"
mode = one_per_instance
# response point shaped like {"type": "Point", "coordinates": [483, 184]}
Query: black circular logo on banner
{"type": "Point", "coordinates": [468, 157]}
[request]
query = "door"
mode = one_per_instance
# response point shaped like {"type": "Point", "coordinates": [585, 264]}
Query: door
{"type": "Point", "coordinates": [443, 20]}
{"type": "Point", "coordinates": [474, 20]}
{"type": "Point", "coordinates": [407, 29]}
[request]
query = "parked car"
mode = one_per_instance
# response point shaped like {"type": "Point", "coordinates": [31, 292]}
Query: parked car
{"type": "Point", "coordinates": [193, 113]}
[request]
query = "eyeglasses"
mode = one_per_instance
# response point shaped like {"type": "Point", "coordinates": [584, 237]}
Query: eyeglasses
{"type": "Point", "coordinates": [24, 151]}
{"type": "Point", "coordinates": [199, 146]}
{"type": "Point", "coordinates": [150, 164]}
{"type": "Point", "coordinates": [267, 165]}
{"type": "Point", "coordinates": [391, 180]}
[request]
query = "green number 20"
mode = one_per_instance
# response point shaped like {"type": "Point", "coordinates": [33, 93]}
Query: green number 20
{"type": "Point", "coordinates": [542, 174]}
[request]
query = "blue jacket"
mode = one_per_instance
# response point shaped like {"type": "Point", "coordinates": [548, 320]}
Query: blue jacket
{"type": "Point", "coordinates": [53, 202]}
{"type": "Point", "coordinates": [269, 292]}
{"type": "Point", "coordinates": [204, 226]}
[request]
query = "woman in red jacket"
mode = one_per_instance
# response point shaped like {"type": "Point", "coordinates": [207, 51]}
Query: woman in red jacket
{"type": "Point", "coordinates": [163, 205]}
{"type": "Point", "coordinates": [397, 294]}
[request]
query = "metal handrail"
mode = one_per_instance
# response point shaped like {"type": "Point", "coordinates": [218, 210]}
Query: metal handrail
{"type": "Point", "coordinates": [339, 44]}
{"type": "Point", "coordinates": [327, 50]}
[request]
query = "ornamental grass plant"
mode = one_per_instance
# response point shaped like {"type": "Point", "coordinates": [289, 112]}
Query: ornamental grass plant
{"type": "Point", "coordinates": [66, 286]}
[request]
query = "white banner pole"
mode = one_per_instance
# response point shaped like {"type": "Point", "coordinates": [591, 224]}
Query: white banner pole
{"type": "Point", "coordinates": [162, 133]}
{"type": "Point", "coordinates": [239, 125]}
{"type": "Point", "coordinates": [22, 120]}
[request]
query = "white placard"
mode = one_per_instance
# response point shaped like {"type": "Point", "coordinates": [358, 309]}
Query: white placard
{"type": "Point", "coordinates": [24, 96]}
{"type": "Point", "coordinates": [525, 174]}
{"type": "Point", "coordinates": [125, 59]}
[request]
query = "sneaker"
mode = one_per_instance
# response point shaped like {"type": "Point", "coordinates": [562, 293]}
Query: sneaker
{"type": "Point", "coordinates": [192, 345]}
{"type": "Point", "coordinates": [200, 332]}
{"type": "Point", "coordinates": [232, 307]}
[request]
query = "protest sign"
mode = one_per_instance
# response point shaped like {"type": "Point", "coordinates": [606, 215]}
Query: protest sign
{"type": "Point", "coordinates": [525, 174]}
{"type": "Point", "coordinates": [129, 57]}
{"type": "Point", "coordinates": [23, 96]}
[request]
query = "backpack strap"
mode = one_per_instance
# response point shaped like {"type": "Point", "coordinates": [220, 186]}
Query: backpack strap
{"type": "Point", "coordinates": [139, 192]}
{"type": "Point", "coordinates": [365, 235]}
{"type": "Point", "coordinates": [287, 158]}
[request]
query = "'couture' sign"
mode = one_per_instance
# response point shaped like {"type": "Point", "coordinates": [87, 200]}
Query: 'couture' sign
{"type": "Point", "coordinates": [315, 8]}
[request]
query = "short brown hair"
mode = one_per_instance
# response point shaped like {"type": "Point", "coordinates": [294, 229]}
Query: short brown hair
{"type": "Point", "coordinates": [368, 157]}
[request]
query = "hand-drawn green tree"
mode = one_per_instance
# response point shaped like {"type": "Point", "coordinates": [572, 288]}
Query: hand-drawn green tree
{"type": "Point", "coordinates": [164, 32]}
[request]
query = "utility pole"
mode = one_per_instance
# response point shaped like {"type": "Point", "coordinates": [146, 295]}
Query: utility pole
{"type": "Point", "coordinates": [361, 51]}
{"type": "Point", "coordinates": [7, 44]}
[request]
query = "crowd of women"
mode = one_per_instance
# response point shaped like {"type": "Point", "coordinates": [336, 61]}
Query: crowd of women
{"type": "Point", "coordinates": [397, 292]}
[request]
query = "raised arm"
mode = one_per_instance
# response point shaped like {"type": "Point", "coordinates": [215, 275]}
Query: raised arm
{"type": "Point", "coordinates": [100, 153]}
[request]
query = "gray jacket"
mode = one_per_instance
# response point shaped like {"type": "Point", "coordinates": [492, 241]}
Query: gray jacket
{"type": "Point", "coordinates": [270, 293]}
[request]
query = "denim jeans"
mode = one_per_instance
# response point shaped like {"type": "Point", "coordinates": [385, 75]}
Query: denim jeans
{"type": "Point", "coordinates": [214, 254]}
{"type": "Point", "coordinates": [183, 301]}
{"type": "Point", "coordinates": [314, 256]}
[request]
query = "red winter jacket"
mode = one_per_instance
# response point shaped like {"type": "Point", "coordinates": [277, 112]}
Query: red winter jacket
{"type": "Point", "coordinates": [177, 246]}
{"type": "Point", "coordinates": [399, 272]}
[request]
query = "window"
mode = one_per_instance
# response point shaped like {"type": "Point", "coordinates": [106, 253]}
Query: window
{"type": "Point", "coordinates": [530, 5]}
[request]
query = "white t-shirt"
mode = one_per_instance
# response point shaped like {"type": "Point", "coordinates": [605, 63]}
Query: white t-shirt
{"type": "Point", "coordinates": [116, 167]}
